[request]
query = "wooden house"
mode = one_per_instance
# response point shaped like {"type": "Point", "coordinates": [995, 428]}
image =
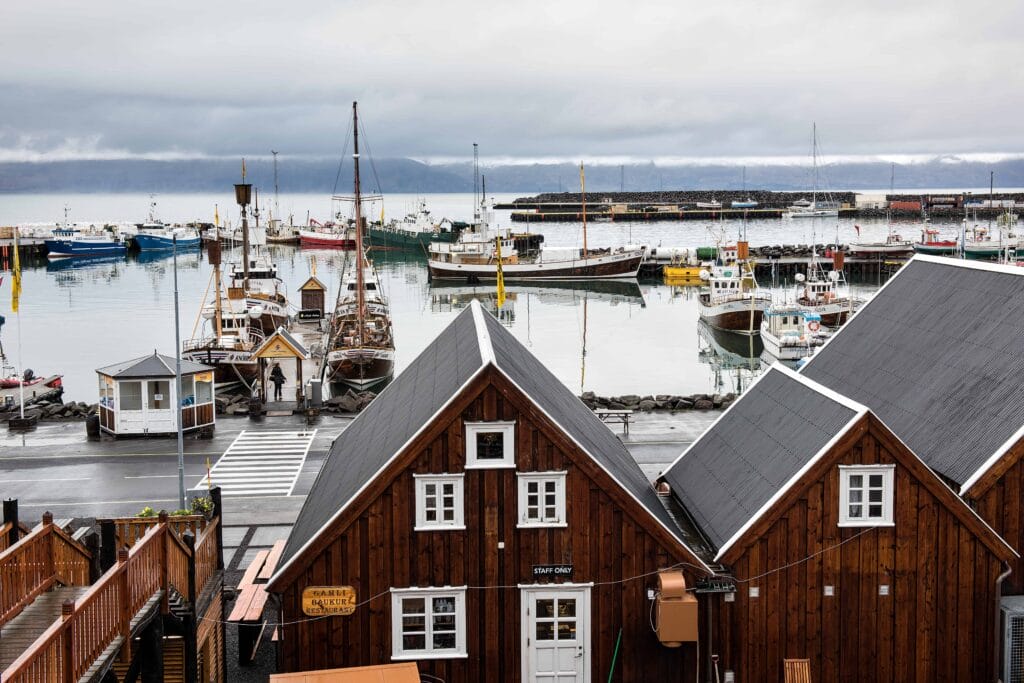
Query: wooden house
{"type": "Point", "coordinates": [938, 355]}
{"type": "Point", "coordinates": [478, 519]}
{"type": "Point", "coordinates": [835, 547]}
{"type": "Point", "coordinates": [140, 396]}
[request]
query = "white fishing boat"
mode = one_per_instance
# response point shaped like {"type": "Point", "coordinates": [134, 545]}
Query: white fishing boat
{"type": "Point", "coordinates": [474, 256]}
{"type": "Point", "coordinates": [731, 299]}
{"type": "Point", "coordinates": [791, 332]}
{"type": "Point", "coordinates": [713, 204]}
{"type": "Point", "coordinates": [826, 296]}
{"type": "Point", "coordinates": [893, 246]}
{"type": "Point", "coordinates": [815, 207]}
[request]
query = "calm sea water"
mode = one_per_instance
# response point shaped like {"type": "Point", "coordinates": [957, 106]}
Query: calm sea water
{"type": "Point", "coordinates": [79, 315]}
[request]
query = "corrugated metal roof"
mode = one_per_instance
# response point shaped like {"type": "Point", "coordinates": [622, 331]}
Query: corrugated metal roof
{"type": "Point", "coordinates": [386, 425]}
{"type": "Point", "coordinates": [775, 428]}
{"type": "Point", "coordinates": [153, 365]}
{"type": "Point", "coordinates": [938, 355]}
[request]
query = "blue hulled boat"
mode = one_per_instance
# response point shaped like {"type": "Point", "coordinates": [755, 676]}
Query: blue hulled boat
{"type": "Point", "coordinates": [160, 237]}
{"type": "Point", "coordinates": [73, 242]}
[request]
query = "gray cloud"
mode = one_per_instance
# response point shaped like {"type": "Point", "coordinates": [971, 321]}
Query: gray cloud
{"type": "Point", "coordinates": [533, 78]}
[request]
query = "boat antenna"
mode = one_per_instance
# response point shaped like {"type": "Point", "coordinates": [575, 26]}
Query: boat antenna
{"type": "Point", "coordinates": [583, 201]}
{"type": "Point", "coordinates": [476, 183]}
{"type": "Point", "coordinates": [360, 295]}
{"type": "Point", "coordinates": [277, 205]}
{"type": "Point", "coordinates": [991, 203]}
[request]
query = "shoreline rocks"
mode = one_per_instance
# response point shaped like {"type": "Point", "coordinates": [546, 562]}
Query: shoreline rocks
{"type": "Point", "coordinates": [659, 403]}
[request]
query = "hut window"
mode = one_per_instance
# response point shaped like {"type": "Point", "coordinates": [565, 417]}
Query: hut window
{"type": "Point", "coordinates": [188, 391]}
{"type": "Point", "coordinates": [439, 501]}
{"type": "Point", "coordinates": [159, 394]}
{"type": "Point", "coordinates": [131, 395]}
{"type": "Point", "coordinates": [490, 444]}
{"type": "Point", "coordinates": [866, 495]}
{"type": "Point", "coordinates": [204, 391]}
{"type": "Point", "coordinates": [428, 623]}
{"type": "Point", "coordinates": [542, 499]}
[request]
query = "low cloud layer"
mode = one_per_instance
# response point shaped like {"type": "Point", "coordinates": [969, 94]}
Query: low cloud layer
{"type": "Point", "coordinates": [533, 79]}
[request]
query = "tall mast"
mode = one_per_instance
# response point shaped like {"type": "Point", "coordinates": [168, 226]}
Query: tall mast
{"type": "Point", "coordinates": [991, 204]}
{"type": "Point", "coordinates": [814, 161]}
{"type": "Point", "coordinates": [277, 205]}
{"type": "Point", "coordinates": [476, 183]}
{"type": "Point", "coordinates": [360, 296]}
{"type": "Point", "coordinates": [583, 197]}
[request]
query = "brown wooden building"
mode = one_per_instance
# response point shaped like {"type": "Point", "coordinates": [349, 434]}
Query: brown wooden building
{"type": "Point", "coordinates": [490, 527]}
{"type": "Point", "coordinates": [843, 547]}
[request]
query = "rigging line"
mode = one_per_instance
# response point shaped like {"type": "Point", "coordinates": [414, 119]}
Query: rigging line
{"type": "Point", "coordinates": [369, 153]}
{"type": "Point", "coordinates": [341, 161]}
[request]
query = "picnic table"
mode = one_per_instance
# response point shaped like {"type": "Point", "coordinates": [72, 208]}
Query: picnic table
{"type": "Point", "coordinates": [252, 598]}
{"type": "Point", "coordinates": [615, 416]}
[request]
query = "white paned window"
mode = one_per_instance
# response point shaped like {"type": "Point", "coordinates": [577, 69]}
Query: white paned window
{"type": "Point", "coordinates": [542, 499]}
{"type": "Point", "coordinates": [866, 495]}
{"type": "Point", "coordinates": [428, 623]}
{"type": "Point", "coordinates": [439, 501]}
{"type": "Point", "coordinates": [490, 444]}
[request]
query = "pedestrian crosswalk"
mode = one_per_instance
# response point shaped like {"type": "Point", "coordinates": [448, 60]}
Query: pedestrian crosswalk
{"type": "Point", "coordinates": [260, 464]}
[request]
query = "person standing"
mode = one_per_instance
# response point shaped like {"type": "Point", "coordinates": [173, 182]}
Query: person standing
{"type": "Point", "coordinates": [277, 377]}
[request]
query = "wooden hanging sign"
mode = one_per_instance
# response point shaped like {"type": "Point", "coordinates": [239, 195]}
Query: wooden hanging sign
{"type": "Point", "coordinates": [321, 601]}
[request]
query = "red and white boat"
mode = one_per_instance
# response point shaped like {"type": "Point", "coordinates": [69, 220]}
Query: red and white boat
{"type": "Point", "coordinates": [330, 235]}
{"type": "Point", "coordinates": [33, 388]}
{"type": "Point", "coordinates": [931, 244]}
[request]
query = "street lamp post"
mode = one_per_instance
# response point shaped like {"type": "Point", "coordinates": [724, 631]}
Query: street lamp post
{"type": "Point", "coordinates": [177, 378]}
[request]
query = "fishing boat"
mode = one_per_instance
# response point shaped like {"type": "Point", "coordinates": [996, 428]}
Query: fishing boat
{"type": "Point", "coordinates": [332, 235]}
{"type": "Point", "coordinates": [791, 332]}
{"type": "Point", "coordinates": [155, 235]}
{"type": "Point", "coordinates": [258, 292]}
{"type": "Point", "coordinates": [744, 204]}
{"type": "Point", "coordinates": [894, 246]}
{"type": "Point", "coordinates": [713, 204]}
{"type": "Point", "coordinates": [931, 244]}
{"type": "Point", "coordinates": [825, 296]}
{"type": "Point", "coordinates": [413, 231]}
{"type": "Point", "coordinates": [475, 256]}
{"type": "Point", "coordinates": [361, 346]}
{"type": "Point", "coordinates": [979, 244]}
{"type": "Point", "coordinates": [813, 208]}
{"type": "Point", "coordinates": [732, 301]}
{"type": "Point", "coordinates": [66, 240]}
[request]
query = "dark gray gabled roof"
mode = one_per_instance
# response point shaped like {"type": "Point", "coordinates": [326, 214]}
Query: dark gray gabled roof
{"type": "Point", "coordinates": [473, 341]}
{"type": "Point", "coordinates": [753, 452]}
{"type": "Point", "coordinates": [938, 355]}
{"type": "Point", "coordinates": [153, 365]}
{"type": "Point", "coordinates": [386, 425]}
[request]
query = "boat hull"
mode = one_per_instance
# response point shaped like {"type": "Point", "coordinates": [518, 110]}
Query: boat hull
{"type": "Point", "coordinates": [402, 240]}
{"type": "Point", "coordinates": [317, 239]}
{"type": "Point", "coordinates": [735, 315]}
{"type": "Point", "coordinates": [613, 266]}
{"type": "Point", "coordinates": [881, 249]}
{"type": "Point", "coordinates": [361, 369]}
{"type": "Point", "coordinates": [832, 315]}
{"type": "Point", "coordinates": [162, 243]}
{"type": "Point", "coordinates": [936, 248]}
{"type": "Point", "coordinates": [70, 248]}
{"type": "Point", "coordinates": [786, 352]}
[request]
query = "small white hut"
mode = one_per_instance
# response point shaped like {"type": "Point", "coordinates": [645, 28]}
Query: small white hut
{"type": "Point", "coordinates": [139, 396]}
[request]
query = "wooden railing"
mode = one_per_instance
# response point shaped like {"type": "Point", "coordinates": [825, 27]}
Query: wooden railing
{"type": "Point", "coordinates": [45, 557]}
{"type": "Point", "coordinates": [130, 529]}
{"type": "Point", "coordinates": [5, 534]}
{"type": "Point", "coordinates": [158, 561]}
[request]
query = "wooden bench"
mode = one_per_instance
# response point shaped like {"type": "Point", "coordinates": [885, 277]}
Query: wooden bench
{"type": "Point", "coordinates": [620, 416]}
{"type": "Point", "coordinates": [251, 599]}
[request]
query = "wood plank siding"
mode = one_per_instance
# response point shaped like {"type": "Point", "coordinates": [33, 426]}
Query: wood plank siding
{"type": "Point", "coordinates": [997, 498]}
{"type": "Point", "coordinates": [610, 540]}
{"type": "Point", "coordinates": [937, 622]}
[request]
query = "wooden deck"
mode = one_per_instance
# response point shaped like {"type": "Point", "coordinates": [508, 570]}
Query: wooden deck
{"type": "Point", "coordinates": [23, 630]}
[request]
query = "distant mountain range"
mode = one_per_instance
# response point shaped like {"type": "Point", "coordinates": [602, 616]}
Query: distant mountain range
{"type": "Point", "coordinates": [407, 175]}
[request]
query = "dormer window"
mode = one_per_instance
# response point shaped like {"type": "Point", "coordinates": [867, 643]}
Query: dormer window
{"type": "Point", "coordinates": [490, 445]}
{"type": "Point", "coordinates": [866, 495]}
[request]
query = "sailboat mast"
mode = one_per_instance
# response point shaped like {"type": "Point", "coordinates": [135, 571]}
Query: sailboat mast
{"type": "Point", "coordinates": [277, 205]}
{"type": "Point", "coordinates": [476, 183]}
{"type": "Point", "coordinates": [360, 295]}
{"type": "Point", "coordinates": [814, 162]}
{"type": "Point", "coordinates": [583, 196]}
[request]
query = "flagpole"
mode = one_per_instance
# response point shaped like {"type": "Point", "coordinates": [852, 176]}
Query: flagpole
{"type": "Point", "coordinates": [21, 370]}
{"type": "Point", "coordinates": [15, 296]}
{"type": "Point", "coordinates": [177, 378]}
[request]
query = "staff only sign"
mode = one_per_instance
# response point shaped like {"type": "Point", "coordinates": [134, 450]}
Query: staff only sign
{"type": "Point", "coordinates": [322, 601]}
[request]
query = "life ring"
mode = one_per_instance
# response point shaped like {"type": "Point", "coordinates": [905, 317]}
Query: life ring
{"type": "Point", "coordinates": [813, 326]}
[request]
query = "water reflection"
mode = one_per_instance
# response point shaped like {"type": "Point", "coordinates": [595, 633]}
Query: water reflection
{"type": "Point", "coordinates": [734, 359]}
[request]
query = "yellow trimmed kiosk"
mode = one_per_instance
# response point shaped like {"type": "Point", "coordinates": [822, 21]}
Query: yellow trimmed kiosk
{"type": "Point", "coordinates": [279, 346]}
{"type": "Point", "coordinates": [314, 294]}
{"type": "Point", "coordinates": [138, 397]}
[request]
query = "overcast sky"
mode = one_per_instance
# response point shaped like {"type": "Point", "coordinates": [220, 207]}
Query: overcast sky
{"type": "Point", "coordinates": [526, 79]}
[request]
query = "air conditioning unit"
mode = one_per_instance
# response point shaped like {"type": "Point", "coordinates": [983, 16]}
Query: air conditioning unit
{"type": "Point", "coordinates": [1012, 611]}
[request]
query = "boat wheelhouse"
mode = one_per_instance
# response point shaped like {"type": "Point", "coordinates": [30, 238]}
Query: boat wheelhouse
{"type": "Point", "coordinates": [731, 300]}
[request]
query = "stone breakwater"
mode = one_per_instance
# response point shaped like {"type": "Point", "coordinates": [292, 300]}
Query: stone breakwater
{"type": "Point", "coordinates": [659, 402]}
{"type": "Point", "coordinates": [52, 411]}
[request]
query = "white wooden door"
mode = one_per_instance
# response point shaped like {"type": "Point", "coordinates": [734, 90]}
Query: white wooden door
{"type": "Point", "coordinates": [556, 634]}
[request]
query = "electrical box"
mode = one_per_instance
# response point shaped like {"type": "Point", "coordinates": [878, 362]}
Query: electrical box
{"type": "Point", "coordinates": [676, 610]}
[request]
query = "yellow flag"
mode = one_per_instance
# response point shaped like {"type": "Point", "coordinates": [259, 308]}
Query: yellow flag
{"type": "Point", "coordinates": [501, 276]}
{"type": "Point", "coordinates": [15, 275]}
{"type": "Point", "coordinates": [382, 214]}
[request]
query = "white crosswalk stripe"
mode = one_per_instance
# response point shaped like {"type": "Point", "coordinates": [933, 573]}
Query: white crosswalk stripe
{"type": "Point", "coordinates": [261, 463]}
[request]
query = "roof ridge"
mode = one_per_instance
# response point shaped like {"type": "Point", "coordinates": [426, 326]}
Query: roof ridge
{"type": "Point", "coordinates": [483, 337]}
{"type": "Point", "coordinates": [989, 266]}
{"type": "Point", "coordinates": [818, 388]}
{"type": "Point", "coordinates": [160, 357]}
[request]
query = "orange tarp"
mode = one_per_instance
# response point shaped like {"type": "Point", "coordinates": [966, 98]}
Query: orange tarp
{"type": "Point", "coordinates": [386, 673]}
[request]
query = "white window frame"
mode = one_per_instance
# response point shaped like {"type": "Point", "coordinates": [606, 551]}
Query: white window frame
{"type": "Point", "coordinates": [508, 431]}
{"type": "Point", "coordinates": [458, 508]}
{"type": "Point", "coordinates": [888, 473]}
{"type": "Point", "coordinates": [398, 653]}
{"type": "Point", "coordinates": [541, 477]}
